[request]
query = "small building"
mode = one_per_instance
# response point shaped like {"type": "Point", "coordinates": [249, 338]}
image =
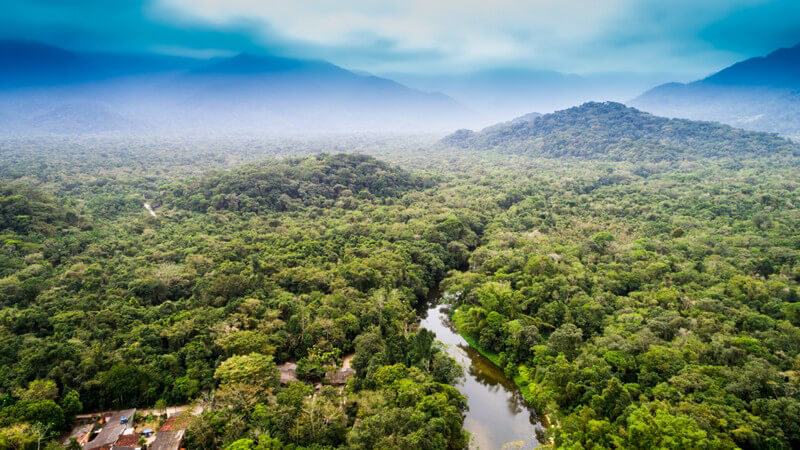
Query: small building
{"type": "Point", "coordinates": [340, 376]}
{"type": "Point", "coordinates": [128, 440]}
{"type": "Point", "coordinates": [170, 435]}
{"type": "Point", "coordinates": [288, 372]}
{"type": "Point", "coordinates": [172, 424]}
{"type": "Point", "coordinates": [80, 433]}
{"type": "Point", "coordinates": [114, 427]}
{"type": "Point", "coordinates": [167, 440]}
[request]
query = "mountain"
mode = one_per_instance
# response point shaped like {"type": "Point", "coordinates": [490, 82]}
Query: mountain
{"type": "Point", "coordinates": [759, 94]}
{"type": "Point", "coordinates": [503, 92]}
{"type": "Point", "coordinates": [779, 69]}
{"type": "Point", "coordinates": [29, 63]}
{"type": "Point", "coordinates": [247, 93]}
{"type": "Point", "coordinates": [616, 132]}
{"type": "Point", "coordinates": [300, 95]}
{"type": "Point", "coordinates": [80, 118]}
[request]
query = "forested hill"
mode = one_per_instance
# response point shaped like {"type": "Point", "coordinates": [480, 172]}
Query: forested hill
{"type": "Point", "coordinates": [29, 211]}
{"type": "Point", "coordinates": [294, 183]}
{"type": "Point", "coordinates": [614, 131]}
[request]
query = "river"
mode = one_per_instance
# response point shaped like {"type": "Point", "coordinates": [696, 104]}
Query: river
{"type": "Point", "coordinates": [498, 416]}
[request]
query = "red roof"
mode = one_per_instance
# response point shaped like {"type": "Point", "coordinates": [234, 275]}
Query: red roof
{"type": "Point", "coordinates": [128, 440]}
{"type": "Point", "coordinates": [169, 425]}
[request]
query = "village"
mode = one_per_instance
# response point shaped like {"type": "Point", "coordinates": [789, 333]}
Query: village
{"type": "Point", "coordinates": [127, 430]}
{"type": "Point", "coordinates": [162, 429]}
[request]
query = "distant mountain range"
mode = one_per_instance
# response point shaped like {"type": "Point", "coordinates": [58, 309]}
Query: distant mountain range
{"type": "Point", "coordinates": [614, 131]}
{"type": "Point", "coordinates": [759, 94]}
{"type": "Point", "coordinates": [495, 94]}
{"type": "Point", "coordinates": [51, 90]}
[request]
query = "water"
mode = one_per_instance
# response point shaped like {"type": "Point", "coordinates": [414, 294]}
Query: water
{"type": "Point", "coordinates": [498, 416]}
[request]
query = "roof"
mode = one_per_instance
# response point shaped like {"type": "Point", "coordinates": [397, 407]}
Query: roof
{"type": "Point", "coordinates": [339, 376]}
{"type": "Point", "coordinates": [112, 429]}
{"type": "Point", "coordinates": [167, 440]}
{"type": "Point", "coordinates": [288, 372]}
{"type": "Point", "coordinates": [176, 423]}
{"type": "Point", "coordinates": [169, 424]}
{"type": "Point", "coordinates": [128, 440]}
{"type": "Point", "coordinates": [81, 433]}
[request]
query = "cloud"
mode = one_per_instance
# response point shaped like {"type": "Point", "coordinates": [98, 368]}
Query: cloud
{"type": "Point", "coordinates": [692, 37]}
{"type": "Point", "coordinates": [567, 35]}
{"type": "Point", "coordinates": [462, 32]}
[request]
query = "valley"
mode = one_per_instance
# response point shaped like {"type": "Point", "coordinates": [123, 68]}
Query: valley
{"type": "Point", "coordinates": [388, 225]}
{"type": "Point", "coordinates": [631, 291]}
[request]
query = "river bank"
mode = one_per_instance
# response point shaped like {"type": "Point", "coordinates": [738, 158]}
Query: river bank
{"type": "Point", "coordinates": [498, 415]}
{"type": "Point", "coordinates": [520, 377]}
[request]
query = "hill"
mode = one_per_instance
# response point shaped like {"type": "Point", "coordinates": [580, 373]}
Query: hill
{"type": "Point", "coordinates": [616, 132]}
{"type": "Point", "coordinates": [30, 211]}
{"type": "Point", "coordinates": [30, 63]}
{"type": "Point", "coordinates": [294, 183]}
{"type": "Point", "coordinates": [760, 93]}
{"type": "Point", "coordinates": [246, 93]}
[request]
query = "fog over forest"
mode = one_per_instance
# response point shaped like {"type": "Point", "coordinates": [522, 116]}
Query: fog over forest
{"type": "Point", "coordinates": [398, 225]}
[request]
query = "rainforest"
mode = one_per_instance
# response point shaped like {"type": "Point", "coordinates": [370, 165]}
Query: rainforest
{"type": "Point", "coordinates": [399, 225]}
{"type": "Point", "coordinates": [649, 301]}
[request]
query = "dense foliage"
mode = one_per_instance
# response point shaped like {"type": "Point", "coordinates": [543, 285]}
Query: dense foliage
{"type": "Point", "coordinates": [295, 183]}
{"type": "Point", "coordinates": [638, 304]}
{"type": "Point", "coordinates": [657, 310]}
{"type": "Point", "coordinates": [613, 131]}
{"type": "Point", "coordinates": [315, 258]}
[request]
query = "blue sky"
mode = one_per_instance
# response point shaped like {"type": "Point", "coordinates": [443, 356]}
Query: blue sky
{"type": "Point", "coordinates": [688, 38]}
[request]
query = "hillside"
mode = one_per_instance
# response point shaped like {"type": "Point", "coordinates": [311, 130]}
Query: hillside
{"type": "Point", "coordinates": [760, 93]}
{"type": "Point", "coordinates": [616, 132]}
{"type": "Point", "coordinates": [295, 183]}
{"type": "Point", "coordinates": [30, 63]}
{"type": "Point", "coordinates": [498, 93]}
{"type": "Point", "coordinates": [25, 210]}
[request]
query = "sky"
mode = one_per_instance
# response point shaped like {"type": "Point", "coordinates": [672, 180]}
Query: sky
{"type": "Point", "coordinates": [687, 38]}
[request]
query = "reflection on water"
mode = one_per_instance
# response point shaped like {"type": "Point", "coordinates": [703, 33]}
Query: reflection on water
{"type": "Point", "coordinates": [498, 416]}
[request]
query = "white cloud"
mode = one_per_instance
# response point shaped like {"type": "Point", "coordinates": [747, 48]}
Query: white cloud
{"type": "Point", "coordinates": [568, 35]}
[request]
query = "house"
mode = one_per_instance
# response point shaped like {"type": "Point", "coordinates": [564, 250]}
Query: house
{"type": "Point", "coordinates": [339, 376]}
{"type": "Point", "coordinates": [170, 435]}
{"type": "Point", "coordinates": [127, 440]}
{"type": "Point", "coordinates": [114, 427]}
{"type": "Point", "coordinates": [288, 372]}
{"type": "Point", "coordinates": [80, 433]}
{"type": "Point", "coordinates": [167, 440]}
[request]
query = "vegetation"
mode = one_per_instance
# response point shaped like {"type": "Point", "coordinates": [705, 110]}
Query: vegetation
{"type": "Point", "coordinates": [638, 300]}
{"type": "Point", "coordinates": [655, 311]}
{"type": "Point", "coordinates": [304, 260]}
{"type": "Point", "coordinates": [613, 131]}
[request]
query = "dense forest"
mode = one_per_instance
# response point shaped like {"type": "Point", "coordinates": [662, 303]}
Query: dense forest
{"type": "Point", "coordinates": [614, 131]}
{"type": "Point", "coordinates": [643, 293]}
